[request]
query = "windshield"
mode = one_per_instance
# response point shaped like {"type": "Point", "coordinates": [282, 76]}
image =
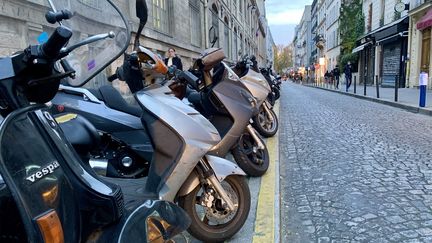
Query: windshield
{"type": "Point", "coordinates": [93, 17]}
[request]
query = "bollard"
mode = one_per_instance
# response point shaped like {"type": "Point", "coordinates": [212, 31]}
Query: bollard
{"type": "Point", "coordinates": [355, 84]}
{"type": "Point", "coordinates": [396, 88]}
{"type": "Point", "coordinates": [423, 86]}
{"type": "Point", "coordinates": [377, 86]}
{"type": "Point", "coordinates": [364, 85]}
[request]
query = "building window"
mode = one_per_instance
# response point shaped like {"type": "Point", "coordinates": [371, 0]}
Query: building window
{"type": "Point", "coordinates": [382, 17]}
{"type": "Point", "coordinates": [195, 22]}
{"type": "Point", "coordinates": [161, 15]}
{"type": "Point", "coordinates": [425, 52]}
{"type": "Point", "coordinates": [226, 39]}
{"type": "Point", "coordinates": [235, 49]}
{"type": "Point", "coordinates": [369, 25]}
{"type": "Point", "coordinates": [215, 23]}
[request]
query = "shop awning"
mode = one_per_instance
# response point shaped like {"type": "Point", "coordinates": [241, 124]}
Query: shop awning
{"type": "Point", "coordinates": [425, 21]}
{"type": "Point", "coordinates": [360, 47]}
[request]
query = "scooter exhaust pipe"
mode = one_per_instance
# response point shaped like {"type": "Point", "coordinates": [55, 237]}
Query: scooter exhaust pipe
{"type": "Point", "coordinates": [100, 166]}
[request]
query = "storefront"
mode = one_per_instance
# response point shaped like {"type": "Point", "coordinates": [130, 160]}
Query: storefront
{"type": "Point", "coordinates": [420, 43]}
{"type": "Point", "coordinates": [384, 54]}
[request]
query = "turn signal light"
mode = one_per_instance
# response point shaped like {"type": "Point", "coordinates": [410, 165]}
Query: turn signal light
{"type": "Point", "coordinates": [51, 228]}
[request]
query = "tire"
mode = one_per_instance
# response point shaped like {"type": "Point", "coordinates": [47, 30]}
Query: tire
{"type": "Point", "coordinates": [262, 123]}
{"type": "Point", "coordinates": [277, 93]}
{"type": "Point", "coordinates": [203, 227]}
{"type": "Point", "coordinates": [271, 99]}
{"type": "Point", "coordinates": [252, 163]}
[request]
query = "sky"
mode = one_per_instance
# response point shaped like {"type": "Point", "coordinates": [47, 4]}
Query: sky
{"type": "Point", "coordinates": [283, 16]}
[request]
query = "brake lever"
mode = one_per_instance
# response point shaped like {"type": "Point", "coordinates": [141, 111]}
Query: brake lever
{"type": "Point", "coordinates": [66, 50]}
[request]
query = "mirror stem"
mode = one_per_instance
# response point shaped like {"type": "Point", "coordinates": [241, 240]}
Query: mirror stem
{"type": "Point", "coordinates": [137, 37]}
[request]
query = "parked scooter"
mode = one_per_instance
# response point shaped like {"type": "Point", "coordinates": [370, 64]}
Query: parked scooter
{"type": "Point", "coordinates": [247, 151]}
{"type": "Point", "coordinates": [212, 190]}
{"type": "Point", "coordinates": [46, 193]}
{"type": "Point", "coordinates": [266, 121]}
{"type": "Point", "coordinates": [274, 82]}
{"type": "Point", "coordinates": [229, 106]}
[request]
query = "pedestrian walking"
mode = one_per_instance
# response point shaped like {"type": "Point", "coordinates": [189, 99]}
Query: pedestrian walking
{"type": "Point", "coordinates": [348, 75]}
{"type": "Point", "coordinates": [173, 59]}
{"type": "Point", "coordinates": [326, 76]}
{"type": "Point", "coordinates": [336, 74]}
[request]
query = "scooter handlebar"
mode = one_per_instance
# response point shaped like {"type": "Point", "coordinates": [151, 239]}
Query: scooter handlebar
{"type": "Point", "coordinates": [51, 48]}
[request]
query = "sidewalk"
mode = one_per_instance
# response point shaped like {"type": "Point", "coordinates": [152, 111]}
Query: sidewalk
{"type": "Point", "coordinates": [408, 98]}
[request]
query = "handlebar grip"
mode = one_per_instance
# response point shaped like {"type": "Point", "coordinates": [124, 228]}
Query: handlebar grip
{"type": "Point", "coordinates": [192, 80]}
{"type": "Point", "coordinates": [113, 77]}
{"type": "Point", "coordinates": [53, 17]}
{"type": "Point", "coordinates": [51, 48]}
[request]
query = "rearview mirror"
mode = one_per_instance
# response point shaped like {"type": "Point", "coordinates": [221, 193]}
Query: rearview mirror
{"type": "Point", "coordinates": [213, 36]}
{"type": "Point", "coordinates": [142, 11]}
{"type": "Point", "coordinates": [142, 14]}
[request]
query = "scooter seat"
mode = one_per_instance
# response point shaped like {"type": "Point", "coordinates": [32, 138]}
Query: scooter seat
{"type": "Point", "coordinates": [114, 100]}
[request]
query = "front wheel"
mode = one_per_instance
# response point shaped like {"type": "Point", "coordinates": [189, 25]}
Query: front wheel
{"type": "Point", "coordinates": [249, 157]}
{"type": "Point", "coordinates": [266, 124]}
{"type": "Point", "coordinates": [214, 222]}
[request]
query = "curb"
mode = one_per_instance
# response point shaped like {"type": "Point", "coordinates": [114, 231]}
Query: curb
{"type": "Point", "coordinates": [409, 108]}
{"type": "Point", "coordinates": [268, 210]}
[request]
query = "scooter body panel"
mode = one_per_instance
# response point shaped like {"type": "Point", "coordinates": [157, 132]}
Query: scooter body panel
{"type": "Point", "coordinates": [100, 115]}
{"type": "Point", "coordinates": [35, 176]}
{"type": "Point", "coordinates": [223, 167]}
{"type": "Point", "coordinates": [240, 104]}
{"type": "Point", "coordinates": [190, 137]}
{"type": "Point", "coordinates": [257, 85]}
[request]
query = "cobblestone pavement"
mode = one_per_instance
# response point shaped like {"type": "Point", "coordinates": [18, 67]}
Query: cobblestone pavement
{"type": "Point", "coordinates": [353, 170]}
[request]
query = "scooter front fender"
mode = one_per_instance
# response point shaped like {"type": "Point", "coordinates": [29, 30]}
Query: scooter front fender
{"type": "Point", "coordinates": [223, 167]}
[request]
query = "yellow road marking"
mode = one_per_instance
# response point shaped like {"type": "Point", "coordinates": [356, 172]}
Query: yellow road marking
{"type": "Point", "coordinates": [265, 216]}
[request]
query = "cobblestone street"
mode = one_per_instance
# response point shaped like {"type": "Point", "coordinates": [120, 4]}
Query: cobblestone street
{"type": "Point", "coordinates": [352, 170]}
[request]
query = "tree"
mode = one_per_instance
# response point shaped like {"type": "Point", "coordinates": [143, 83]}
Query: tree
{"type": "Point", "coordinates": [351, 27]}
{"type": "Point", "coordinates": [283, 58]}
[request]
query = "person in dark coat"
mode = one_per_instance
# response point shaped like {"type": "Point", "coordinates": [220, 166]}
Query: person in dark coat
{"type": "Point", "coordinates": [336, 73]}
{"type": "Point", "coordinates": [348, 75]}
{"type": "Point", "coordinates": [173, 59]}
{"type": "Point", "coordinates": [327, 76]}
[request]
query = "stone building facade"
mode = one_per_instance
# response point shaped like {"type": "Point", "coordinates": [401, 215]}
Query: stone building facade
{"type": "Point", "coordinates": [303, 40]}
{"type": "Point", "coordinates": [182, 24]}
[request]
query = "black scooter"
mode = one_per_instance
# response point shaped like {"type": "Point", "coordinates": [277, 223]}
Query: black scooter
{"type": "Point", "coordinates": [46, 193]}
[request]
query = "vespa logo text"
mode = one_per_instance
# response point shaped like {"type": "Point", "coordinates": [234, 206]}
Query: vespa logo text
{"type": "Point", "coordinates": [49, 169]}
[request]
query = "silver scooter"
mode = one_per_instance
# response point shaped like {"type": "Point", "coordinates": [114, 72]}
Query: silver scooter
{"type": "Point", "coordinates": [212, 190]}
{"type": "Point", "coordinates": [266, 121]}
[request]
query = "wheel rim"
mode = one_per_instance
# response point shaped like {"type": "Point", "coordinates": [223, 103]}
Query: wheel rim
{"type": "Point", "coordinates": [251, 150]}
{"type": "Point", "coordinates": [216, 216]}
{"type": "Point", "coordinates": [265, 121]}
